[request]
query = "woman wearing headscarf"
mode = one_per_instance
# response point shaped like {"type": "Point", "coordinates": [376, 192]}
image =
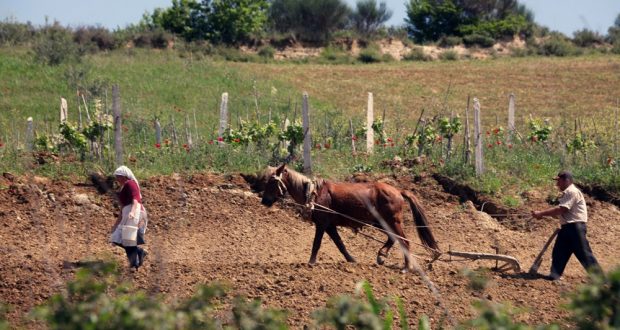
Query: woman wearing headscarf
{"type": "Point", "coordinates": [130, 227]}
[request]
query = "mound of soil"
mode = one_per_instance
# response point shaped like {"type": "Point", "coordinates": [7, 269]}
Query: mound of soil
{"type": "Point", "coordinates": [207, 227]}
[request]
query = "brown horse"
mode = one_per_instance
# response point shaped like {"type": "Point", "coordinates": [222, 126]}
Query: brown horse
{"type": "Point", "coordinates": [346, 204]}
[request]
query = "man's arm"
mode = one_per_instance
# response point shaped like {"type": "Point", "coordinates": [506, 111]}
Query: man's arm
{"type": "Point", "coordinates": [552, 212]}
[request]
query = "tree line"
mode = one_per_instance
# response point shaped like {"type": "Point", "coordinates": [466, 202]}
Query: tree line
{"type": "Point", "coordinates": [232, 23]}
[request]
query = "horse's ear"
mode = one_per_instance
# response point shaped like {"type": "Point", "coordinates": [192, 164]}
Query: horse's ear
{"type": "Point", "coordinates": [281, 169]}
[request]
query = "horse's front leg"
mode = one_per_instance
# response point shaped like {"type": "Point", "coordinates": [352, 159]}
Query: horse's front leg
{"type": "Point", "coordinates": [316, 244]}
{"type": "Point", "coordinates": [333, 234]}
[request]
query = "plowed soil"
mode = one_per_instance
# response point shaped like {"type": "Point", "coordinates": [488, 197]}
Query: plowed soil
{"type": "Point", "coordinates": [208, 227]}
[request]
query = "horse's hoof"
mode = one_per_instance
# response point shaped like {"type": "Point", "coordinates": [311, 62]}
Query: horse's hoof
{"type": "Point", "coordinates": [404, 270]}
{"type": "Point", "coordinates": [380, 260]}
{"type": "Point", "coordinates": [351, 260]}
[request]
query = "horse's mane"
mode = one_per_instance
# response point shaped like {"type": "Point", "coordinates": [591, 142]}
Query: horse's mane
{"type": "Point", "coordinates": [298, 180]}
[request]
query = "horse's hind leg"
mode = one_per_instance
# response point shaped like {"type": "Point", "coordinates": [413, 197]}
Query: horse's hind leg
{"type": "Point", "coordinates": [333, 233]}
{"type": "Point", "coordinates": [398, 230]}
{"type": "Point", "coordinates": [384, 250]}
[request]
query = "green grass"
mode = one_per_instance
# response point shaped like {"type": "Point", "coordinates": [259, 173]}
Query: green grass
{"type": "Point", "coordinates": [162, 84]}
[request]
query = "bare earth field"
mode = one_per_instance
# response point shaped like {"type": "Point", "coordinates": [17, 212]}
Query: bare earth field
{"type": "Point", "coordinates": [207, 227]}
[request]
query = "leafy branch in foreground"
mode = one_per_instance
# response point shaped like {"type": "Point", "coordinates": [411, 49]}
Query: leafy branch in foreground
{"type": "Point", "coordinates": [95, 300]}
{"type": "Point", "coordinates": [596, 305]}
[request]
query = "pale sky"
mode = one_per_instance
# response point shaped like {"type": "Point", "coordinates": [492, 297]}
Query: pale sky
{"type": "Point", "coordinates": [565, 16]}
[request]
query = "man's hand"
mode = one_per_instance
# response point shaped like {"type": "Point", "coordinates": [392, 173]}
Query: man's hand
{"type": "Point", "coordinates": [537, 214]}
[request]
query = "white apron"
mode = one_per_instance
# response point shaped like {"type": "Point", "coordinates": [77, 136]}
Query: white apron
{"type": "Point", "coordinates": [140, 221]}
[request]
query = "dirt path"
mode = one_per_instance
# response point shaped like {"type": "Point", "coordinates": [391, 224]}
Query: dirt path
{"type": "Point", "coordinates": [205, 228]}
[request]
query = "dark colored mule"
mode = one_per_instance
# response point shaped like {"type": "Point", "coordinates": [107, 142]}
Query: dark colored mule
{"type": "Point", "coordinates": [334, 199]}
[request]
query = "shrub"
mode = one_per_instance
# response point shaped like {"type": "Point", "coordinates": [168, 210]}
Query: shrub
{"type": "Point", "coordinates": [95, 38]}
{"type": "Point", "coordinates": [95, 300]}
{"type": "Point", "coordinates": [55, 46]}
{"type": "Point", "coordinates": [231, 54]}
{"type": "Point", "coordinates": [344, 311]}
{"type": "Point", "coordinates": [310, 20]}
{"type": "Point", "coordinates": [556, 45]}
{"type": "Point", "coordinates": [266, 52]}
{"type": "Point", "coordinates": [587, 38]}
{"type": "Point", "coordinates": [152, 39]}
{"type": "Point", "coordinates": [522, 52]}
{"type": "Point", "coordinates": [596, 305]}
{"type": "Point", "coordinates": [449, 55]}
{"type": "Point", "coordinates": [417, 54]}
{"type": "Point", "coordinates": [336, 55]}
{"type": "Point", "coordinates": [370, 54]}
{"type": "Point", "coordinates": [497, 316]}
{"type": "Point", "coordinates": [15, 33]}
{"type": "Point", "coordinates": [478, 40]}
{"type": "Point", "coordinates": [450, 41]}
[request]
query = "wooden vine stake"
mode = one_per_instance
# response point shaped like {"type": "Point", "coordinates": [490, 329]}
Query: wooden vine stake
{"type": "Point", "coordinates": [223, 117]}
{"type": "Point", "coordinates": [479, 157]}
{"type": "Point", "coordinates": [511, 117]}
{"type": "Point", "coordinates": [307, 136]}
{"type": "Point", "coordinates": [64, 109]}
{"type": "Point", "coordinates": [29, 134]}
{"type": "Point", "coordinates": [370, 133]}
{"type": "Point", "coordinates": [157, 132]}
{"type": "Point", "coordinates": [188, 133]}
{"type": "Point", "coordinates": [118, 131]}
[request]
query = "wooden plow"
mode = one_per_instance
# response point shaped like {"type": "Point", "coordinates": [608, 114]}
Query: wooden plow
{"type": "Point", "coordinates": [509, 263]}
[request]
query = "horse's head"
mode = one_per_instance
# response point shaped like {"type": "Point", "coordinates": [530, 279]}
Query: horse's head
{"type": "Point", "coordinates": [275, 187]}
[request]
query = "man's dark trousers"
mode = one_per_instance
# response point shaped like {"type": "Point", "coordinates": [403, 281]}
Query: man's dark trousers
{"type": "Point", "coordinates": [572, 239]}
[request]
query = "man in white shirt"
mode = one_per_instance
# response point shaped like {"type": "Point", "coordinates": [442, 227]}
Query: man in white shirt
{"type": "Point", "coordinates": [571, 239]}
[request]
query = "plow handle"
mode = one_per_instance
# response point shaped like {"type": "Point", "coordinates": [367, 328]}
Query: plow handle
{"type": "Point", "coordinates": [538, 260]}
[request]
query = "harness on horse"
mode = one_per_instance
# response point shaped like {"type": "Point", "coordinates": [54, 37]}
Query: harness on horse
{"type": "Point", "coordinates": [310, 194]}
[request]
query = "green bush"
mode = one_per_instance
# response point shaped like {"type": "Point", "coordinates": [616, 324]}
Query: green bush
{"type": "Point", "coordinates": [522, 52]}
{"type": "Point", "coordinates": [417, 54]}
{"type": "Point", "coordinates": [267, 52]}
{"type": "Point", "coordinates": [587, 38]}
{"type": "Point", "coordinates": [15, 33]}
{"type": "Point", "coordinates": [309, 20]}
{"type": "Point", "coordinates": [152, 39]}
{"type": "Point", "coordinates": [370, 54]}
{"type": "Point", "coordinates": [556, 45]}
{"type": "Point", "coordinates": [449, 55]}
{"type": "Point", "coordinates": [478, 40]}
{"type": "Point", "coordinates": [497, 316]}
{"type": "Point", "coordinates": [343, 312]}
{"type": "Point", "coordinates": [95, 38]}
{"type": "Point", "coordinates": [450, 41]}
{"type": "Point", "coordinates": [336, 55]}
{"type": "Point", "coordinates": [596, 305]}
{"type": "Point", "coordinates": [96, 300]}
{"type": "Point", "coordinates": [55, 46]}
{"type": "Point", "coordinates": [507, 27]}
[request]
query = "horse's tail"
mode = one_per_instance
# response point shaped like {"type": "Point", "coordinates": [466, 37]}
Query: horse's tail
{"type": "Point", "coordinates": [421, 221]}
